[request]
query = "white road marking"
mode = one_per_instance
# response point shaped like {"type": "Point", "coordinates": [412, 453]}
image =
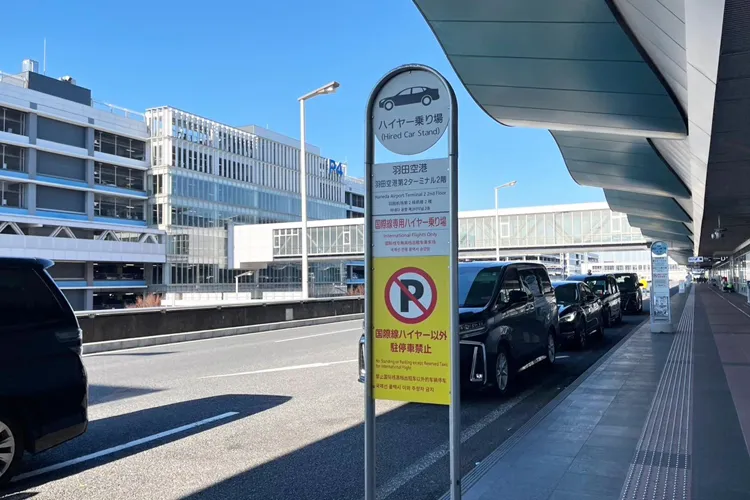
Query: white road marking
{"type": "Point", "coordinates": [317, 335]}
{"type": "Point", "coordinates": [116, 449]}
{"type": "Point", "coordinates": [227, 337]}
{"type": "Point", "coordinates": [441, 451]}
{"type": "Point", "coordinates": [281, 369]}
{"type": "Point", "coordinates": [563, 356]}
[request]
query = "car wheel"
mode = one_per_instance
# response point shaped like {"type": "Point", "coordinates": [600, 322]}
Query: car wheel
{"type": "Point", "coordinates": [581, 339]}
{"type": "Point", "coordinates": [503, 372]}
{"type": "Point", "coordinates": [619, 317]}
{"type": "Point", "coordinates": [11, 448]}
{"type": "Point", "coordinates": [426, 100]}
{"type": "Point", "coordinates": [551, 348]}
{"type": "Point", "coordinates": [607, 317]}
{"type": "Point", "coordinates": [388, 105]}
{"type": "Point", "coordinates": [640, 305]}
{"type": "Point", "coordinates": [600, 332]}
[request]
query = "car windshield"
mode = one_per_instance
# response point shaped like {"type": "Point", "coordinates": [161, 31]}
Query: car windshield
{"type": "Point", "coordinates": [598, 285]}
{"type": "Point", "coordinates": [566, 294]}
{"type": "Point", "coordinates": [626, 283]}
{"type": "Point", "coordinates": [475, 285]}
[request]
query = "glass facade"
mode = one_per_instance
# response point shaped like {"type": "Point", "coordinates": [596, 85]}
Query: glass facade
{"type": "Point", "coordinates": [207, 176]}
{"type": "Point", "coordinates": [12, 121]}
{"type": "Point", "coordinates": [119, 208]}
{"type": "Point", "coordinates": [120, 146]}
{"type": "Point", "coordinates": [117, 176]}
{"type": "Point", "coordinates": [12, 158]}
{"type": "Point", "coordinates": [12, 194]}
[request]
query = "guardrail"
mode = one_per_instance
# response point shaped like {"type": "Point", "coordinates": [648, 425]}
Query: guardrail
{"type": "Point", "coordinates": [119, 324]}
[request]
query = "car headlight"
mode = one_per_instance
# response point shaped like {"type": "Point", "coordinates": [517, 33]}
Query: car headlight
{"type": "Point", "coordinates": [568, 317]}
{"type": "Point", "coordinates": [471, 328]}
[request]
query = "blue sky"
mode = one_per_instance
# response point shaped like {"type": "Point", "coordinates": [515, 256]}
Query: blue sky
{"type": "Point", "coordinates": [247, 62]}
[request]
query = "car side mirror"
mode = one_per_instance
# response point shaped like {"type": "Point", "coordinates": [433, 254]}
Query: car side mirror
{"type": "Point", "coordinates": [640, 285]}
{"type": "Point", "coordinates": [517, 297]}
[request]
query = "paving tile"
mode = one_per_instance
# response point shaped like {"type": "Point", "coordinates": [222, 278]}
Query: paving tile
{"type": "Point", "coordinates": [619, 455]}
{"type": "Point", "coordinates": [632, 431]}
{"type": "Point", "coordinates": [600, 467]}
{"type": "Point", "coordinates": [628, 443]}
{"type": "Point", "coordinates": [567, 495]}
{"type": "Point", "coordinates": [590, 483]}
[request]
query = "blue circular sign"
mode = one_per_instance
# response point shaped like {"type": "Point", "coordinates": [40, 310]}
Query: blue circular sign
{"type": "Point", "coordinates": [659, 248]}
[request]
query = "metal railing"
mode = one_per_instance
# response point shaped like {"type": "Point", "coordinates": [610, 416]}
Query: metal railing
{"type": "Point", "coordinates": [118, 110]}
{"type": "Point", "coordinates": [17, 80]}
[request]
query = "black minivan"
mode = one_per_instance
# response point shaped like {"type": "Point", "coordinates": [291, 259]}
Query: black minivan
{"type": "Point", "coordinates": [43, 384]}
{"type": "Point", "coordinates": [508, 322]}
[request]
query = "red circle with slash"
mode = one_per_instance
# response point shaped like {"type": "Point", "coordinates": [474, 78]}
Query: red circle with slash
{"type": "Point", "coordinates": [410, 295]}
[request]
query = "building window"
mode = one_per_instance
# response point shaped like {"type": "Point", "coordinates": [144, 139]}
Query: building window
{"type": "Point", "coordinates": [12, 121]}
{"type": "Point", "coordinates": [118, 208]}
{"type": "Point", "coordinates": [12, 158]}
{"type": "Point", "coordinates": [12, 194]}
{"type": "Point", "coordinates": [179, 244]}
{"type": "Point", "coordinates": [125, 147]}
{"type": "Point", "coordinates": [122, 177]}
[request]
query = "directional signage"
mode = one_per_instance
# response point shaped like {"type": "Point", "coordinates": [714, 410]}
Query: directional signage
{"type": "Point", "coordinates": [411, 259]}
{"type": "Point", "coordinates": [411, 112]}
{"type": "Point", "coordinates": [661, 308]}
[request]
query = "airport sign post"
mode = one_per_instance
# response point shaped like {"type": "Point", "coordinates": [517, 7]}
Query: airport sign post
{"type": "Point", "coordinates": [411, 254]}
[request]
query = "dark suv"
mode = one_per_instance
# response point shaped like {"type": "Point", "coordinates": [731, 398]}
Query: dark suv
{"type": "Point", "coordinates": [631, 296]}
{"type": "Point", "coordinates": [43, 385]}
{"type": "Point", "coordinates": [508, 322]}
{"type": "Point", "coordinates": [605, 288]}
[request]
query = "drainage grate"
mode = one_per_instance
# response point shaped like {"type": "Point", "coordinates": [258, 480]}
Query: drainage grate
{"type": "Point", "coordinates": [661, 466]}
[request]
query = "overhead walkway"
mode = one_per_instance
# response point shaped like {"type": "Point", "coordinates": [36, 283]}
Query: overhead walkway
{"type": "Point", "coordinates": [660, 417]}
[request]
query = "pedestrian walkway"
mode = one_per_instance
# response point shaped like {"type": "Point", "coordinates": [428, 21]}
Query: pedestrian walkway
{"type": "Point", "coordinates": [660, 417]}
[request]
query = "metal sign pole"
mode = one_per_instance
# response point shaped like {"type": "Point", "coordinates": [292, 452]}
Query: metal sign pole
{"type": "Point", "coordinates": [455, 406]}
{"type": "Point", "coordinates": [455, 393]}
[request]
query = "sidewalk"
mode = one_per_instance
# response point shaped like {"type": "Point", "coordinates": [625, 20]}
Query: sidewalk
{"type": "Point", "coordinates": [655, 418]}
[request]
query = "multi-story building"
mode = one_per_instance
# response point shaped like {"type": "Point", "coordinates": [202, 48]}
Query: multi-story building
{"type": "Point", "coordinates": [72, 188]}
{"type": "Point", "coordinates": [206, 177]}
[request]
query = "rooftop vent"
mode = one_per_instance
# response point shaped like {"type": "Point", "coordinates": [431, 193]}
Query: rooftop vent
{"type": "Point", "coordinates": [30, 65]}
{"type": "Point", "coordinates": [68, 79]}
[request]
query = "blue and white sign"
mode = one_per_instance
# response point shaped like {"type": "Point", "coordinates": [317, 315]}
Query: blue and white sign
{"type": "Point", "coordinates": [661, 305]}
{"type": "Point", "coordinates": [337, 168]}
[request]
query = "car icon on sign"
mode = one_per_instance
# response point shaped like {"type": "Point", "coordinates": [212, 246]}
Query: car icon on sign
{"type": "Point", "coordinates": [411, 95]}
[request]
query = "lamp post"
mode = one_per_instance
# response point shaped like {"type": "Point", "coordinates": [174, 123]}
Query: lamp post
{"type": "Point", "coordinates": [326, 89]}
{"type": "Point", "coordinates": [497, 218]}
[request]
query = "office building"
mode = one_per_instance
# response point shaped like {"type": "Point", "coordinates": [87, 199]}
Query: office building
{"type": "Point", "coordinates": [72, 188]}
{"type": "Point", "coordinates": [207, 177]}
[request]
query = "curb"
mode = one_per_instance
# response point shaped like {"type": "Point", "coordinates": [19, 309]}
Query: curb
{"type": "Point", "coordinates": [174, 338]}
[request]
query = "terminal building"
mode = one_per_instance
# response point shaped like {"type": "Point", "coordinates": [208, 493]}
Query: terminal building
{"type": "Point", "coordinates": [207, 177]}
{"type": "Point", "coordinates": [73, 188]}
{"type": "Point", "coordinates": [567, 239]}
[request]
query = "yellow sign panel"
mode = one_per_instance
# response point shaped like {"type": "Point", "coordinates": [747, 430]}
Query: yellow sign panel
{"type": "Point", "coordinates": [410, 321]}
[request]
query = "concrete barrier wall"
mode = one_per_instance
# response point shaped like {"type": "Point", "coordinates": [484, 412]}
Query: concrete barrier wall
{"type": "Point", "coordinates": [118, 324]}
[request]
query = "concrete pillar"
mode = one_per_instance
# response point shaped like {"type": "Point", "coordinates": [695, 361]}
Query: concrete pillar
{"type": "Point", "coordinates": [89, 275]}
{"type": "Point", "coordinates": [88, 300]}
{"type": "Point", "coordinates": [32, 126]}
{"type": "Point", "coordinates": [90, 205]}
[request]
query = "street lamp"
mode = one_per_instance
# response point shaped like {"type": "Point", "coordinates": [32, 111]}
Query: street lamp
{"type": "Point", "coordinates": [497, 218]}
{"type": "Point", "coordinates": [325, 89]}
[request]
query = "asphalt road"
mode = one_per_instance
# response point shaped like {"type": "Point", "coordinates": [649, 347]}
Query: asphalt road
{"type": "Point", "coordinates": [273, 415]}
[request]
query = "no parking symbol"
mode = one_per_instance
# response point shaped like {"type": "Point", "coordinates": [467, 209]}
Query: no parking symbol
{"type": "Point", "coordinates": [410, 295]}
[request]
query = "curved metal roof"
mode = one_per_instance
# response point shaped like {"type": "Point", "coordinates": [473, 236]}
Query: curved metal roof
{"type": "Point", "coordinates": [608, 79]}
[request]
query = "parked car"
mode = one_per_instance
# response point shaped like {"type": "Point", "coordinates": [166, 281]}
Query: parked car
{"type": "Point", "coordinates": [605, 287]}
{"type": "Point", "coordinates": [508, 322]}
{"type": "Point", "coordinates": [631, 296]}
{"type": "Point", "coordinates": [411, 95]}
{"type": "Point", "coordinates": [580, 312]}
{"type": "Point", "coordinates": [43, 384]}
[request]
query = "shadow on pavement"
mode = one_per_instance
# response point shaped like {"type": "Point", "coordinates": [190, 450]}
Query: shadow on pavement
{"type": "Point", "coordinates": [99, 394]}
{"type": "Point", "coordinates": [122, 429]}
